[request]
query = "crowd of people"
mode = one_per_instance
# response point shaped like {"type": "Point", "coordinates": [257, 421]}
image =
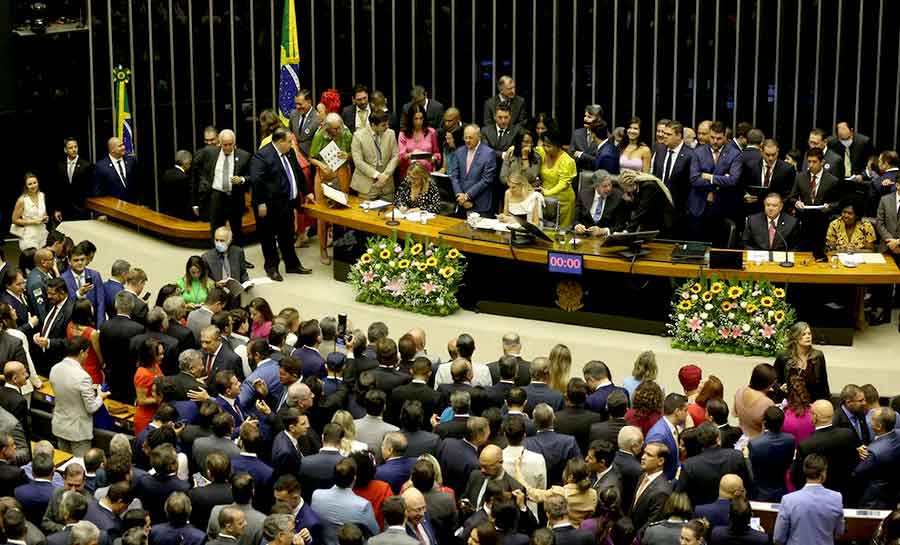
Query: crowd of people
{"type": "Point", "coordinates": [255, 426]}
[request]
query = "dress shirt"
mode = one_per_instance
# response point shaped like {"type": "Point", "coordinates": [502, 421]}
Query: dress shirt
{"type": "Point", "coordinates": [119, 165]}
{"type": "Point", "coordinates": [221, 178]}
{"type": "Point", "coordinates": [52, 316]}
{"type": "Point", "coordinates": [70, 167]}
{"type": "Point", "coordinates": [598, 205]}
{"type": "Point", "coordinates": [232, 402]}
{"type": "Point", "coordinates": [854, 421]}
{"type": "Point", "coordinates": [644, 483]}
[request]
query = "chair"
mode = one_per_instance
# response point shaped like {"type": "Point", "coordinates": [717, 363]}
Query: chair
{"type": "Point", "coordinates": [551, 213]}
{"type": "Point", "coordinates": [730, 233]}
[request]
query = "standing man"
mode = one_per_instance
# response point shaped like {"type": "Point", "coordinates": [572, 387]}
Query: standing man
{"type": "Point", "coordinates": [507, 87]}
{"type": "Point", "coordinates": [76, 400]}
{"type": "Point", "coordinates": [277, 183]}
{"type": "Point", "coordinates": [854, 148]}
{"type": "Point", "coordinates": [812, 514]}
{"type": "Point", "coordinates": [814, 186]}
{"type": "Point", "coordinates": [374, 151]}
{"type": "Point", "coordinates": [85, 283]}
{"type": "Point", "coordinates": [221, 181]}
{"type": "Point", "coordinates": [450, 136]}
{"type": "Point", "coordinates": [500, 136]}
{"type": "Point", "coordinates": [583, 146]}
{"type": "Point", "coordinates": [304, 121]}
{"type": "Point", "coordinates": [73, 184]}
{"type": "Point", "coordinates": [356, 115]}
{"type": "Point", "coordinates": [887, 223]}
{"type": "Point", "coordinates": [672, 164]}
{"type": "Point", "coordinates": [176, 189]}
{"type": "Point", "coordinates": [36, 284]}
{"type": "Point", "coordinates": [434, 110]}
{"type": "Point", "coordinates": [472, 174]}
{"type": "Point", "coordinates": [714, 194]}
{"type": "Point", "coordinates": [116, 174]}
{"type": "Point", "coordinates": [832, 162]}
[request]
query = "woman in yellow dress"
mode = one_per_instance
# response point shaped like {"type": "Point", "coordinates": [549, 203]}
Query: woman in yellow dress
{"type": "Point", "coordinates": [849, 232]}
{"type": "Point", "coordinates": [557, 172]}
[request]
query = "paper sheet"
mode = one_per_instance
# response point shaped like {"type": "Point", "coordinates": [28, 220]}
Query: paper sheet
{"type": "Point", "coordinates": [334, 194]}
{"type": "Point", "coordinates": [759, 256]}
{"type": "Point", "coordinates": [329, 156]}
{"type": "Point", "coordinates": [852, 260]}
{"type": "Point", "coordinates": [440, 175]}
{"type": "Point", "coordinates": [374, 205]}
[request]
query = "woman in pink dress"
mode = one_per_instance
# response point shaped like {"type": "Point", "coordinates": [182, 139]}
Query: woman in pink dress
{"type": "Point", "coordinates": [261, 317]}
{"type": "Point", "coordinates": [797, 420]}
{"type": "Point", "coordinates": [634, 153]}
{"type": "Point", "coordinates": [417, 137]}
{"type": "Point", "coordinates": [750, 402]}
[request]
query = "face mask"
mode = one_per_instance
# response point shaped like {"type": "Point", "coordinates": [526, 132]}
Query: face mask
{"type": "Point", "coordinates": [847, 142]}
{"type": "Point", "coordinates": [221, 247]}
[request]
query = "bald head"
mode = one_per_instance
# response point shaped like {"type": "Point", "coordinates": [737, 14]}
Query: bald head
{"type": "Point", "coordinates": [460, 370]}
{"type": "Point", "coordinates": [731, 486]}
{"type": "Point", "coordinates": [491, 454]}
{"type": "Point", "coordinates": [15, 373]}
{"type": "Point", "coordinates": [418, 335]}
{"type": "Point", "coordinates": [822, 412]}
{"type": "Point", "coordinates": [415, 505]}
{"type": "Point", "coordinates": [472, 136]}
{"type": "Point", "coordinates": [115, 147]}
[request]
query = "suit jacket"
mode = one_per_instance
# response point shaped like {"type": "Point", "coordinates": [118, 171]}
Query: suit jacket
{"type": "Point", "coordinates": [577, 422]}
{"type": "Point", "coordinates": [648, 507]}
{"type": "Point", "coordinates": [371, 430]}
{"type": "Point", "coordinates": [596, 401]}
{"type": "Point", "coordinates": [34, 497]}
{"type": "Point", "coordinates": [96, 295]}
{"type": "Point", "coordinates": [584, 142]}
{"type": "Point", "coordinates": [167, 534]}
{"type": "Point", "coordinates": [612, 478]}
{"type": "Point", "coordinates": [386, 379]}
{"type": "Point", "coordinates": [832, 164]}
{"type": "Point", "coordinates": [255, 521]}
{"type": "Point", "coordinates": [115, 343]}
{"type": "Point", "coordinates": [393, 536]}
{"type": "Point", "coordinates": [771, 455]}
{"type": "Point", "coordinates": [317, 472]}
{"type": "Point", "coordinates": [104, 519]}
{"type": "Point", "coordinates": [204, 446]}
{"type": "Point", "coordinates": [107, 181]}
{"type": "Point", "coordinates": [478, 180]}
{"type": "Point", "coordinates": [269, 181]}
{"type": "Point", "coordinates": [183, 335]}
{"type": "Point", "coordinates": [679, 180]}
{"type": "Point", "coordinates": [608, 430]}
{"type": "Point", "coordinates": [841, 420]}
{"type": "Point", "coordinates": [348, 115]}
{"type": "Point", "coordinates": [68, 195]}
{"type": "Point", "coordinates": [607, 157]}
{"type": "Point", "coordinates": [395, 472]}
{"type": "Point", "coordinates": [175, 194]}
{"type": "Point", "coordinates": [860, 151]}
{"type": "Point", "coordinates": [570, 535]}
{"type": "Point", "coordinates": [523, 373]}
{"type": "Point", "coordinates": [225, 360]}
{"type": "Point", "coordinates": [557, 449]}
{"type": "Point", "coordinates": [11, 349]}
{"type": "Point", "coordinates": [700, 474]}
{"type": "Point", "coordinates": [879, 473]}
{"type": "Point", "coordinates": [441, 513]}
{"type": "Point", "coordinates": [236, 260]}
{"type": "Point", "coordinates": [476, 481]}
{"type": "Point", "coordinates": [651, 209]}
{"type": "Point", "coordinates": [169, 362]}
{"type": "Point", "coordinates": [434, 112]}
{"type": "Point", "coordinates": [718, 513]}
{"type": "Point", "coordinates": [827, 192]}
{"type": "Point", "coordinates": [286, 459]}
{"type": "Point", "coordinates": [615, 210]}
{"type": "Point", "coordinates": [36, 292]}
{"type": "Point", "coordinates": [21, 306]}
{"type": "Point", "coordinates": [458, 459]}
{"type": "Point", "coordinates": [660, 433]}
{"type": "Point", "coordinates": [726, 178]}
{"type": "Point", "coordinates": [490, 136]}
{"type": "Point", "coordinates": [421, 442]}
{"type": "Point", "coordinates": [781, 179]}
{"type": "Point", "coordinates": [540, 392]}
{"type": "Point", "coordinates": [366, 159]}
{"type": "Point", "coordinates": [204, 498]}
{"type": "Point", "coordinates": [838, 446]}
{"type": "Point", "coordinates": [305, 132]}
{"type": "Point", "coordinates": [812, 514]}
{"type": "Point", "coordinates": [11, 477]}
{"type": "Point", "coordinates": [756, 232]}
{"type": "Point", "coordinates": [337, 506]}
{"type": "Point", "coordinates": [886, 223]}
{"type": "Point", "coordinates": [729, 435]}
{"type": "Point", "coordinates": [455, 428]}
{"type": "Point", "coordinates": [75, 401]}
{"type": "Point", "coordinates": [430, 399]}
{"type": "Point", "coordinates": [110, 288]}
{"type": "Point", "coordinates": [204, 173]}
{"type": "Point", "coordinates": [12, 400]}
{"type": "Point", "coordinates": [517, 109]}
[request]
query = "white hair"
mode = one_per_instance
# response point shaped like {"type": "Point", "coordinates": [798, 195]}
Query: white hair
{"type": "Point", "coordinates": [333, 118]}
{"type": "Point", "coordinates": [226, 132]}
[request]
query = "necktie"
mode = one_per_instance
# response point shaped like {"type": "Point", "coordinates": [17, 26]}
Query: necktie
{"type": "Point", "coordinates": [715, 155]}
{"type": "Point", "coordinates": [281, 401]}
{"type": "Point", "coordinates": [500, 134]}
{"type": "Point", "coordinates": [470, 156]}
{"type": "Point", "coordinates": [847, 161]}
{"type": "Point", "coordinates": [79, 281]}
{"type": "Point", "coordinates": [377, 148]}
{"type": "Point", "coordinates": [771, 233]}
{"type": "Point", "coordinates": [49, 321]}
{"type": "Point", "coordinates": [360, 118]}
{"type": "Point", "coordinates": [598, 211]}
{"type": "Point", "coordinates": [478, 501]}
{"type": "Point", "coordinates": [226, 175]}
{"type": "Point", "coordinates": [666, 167]}
{"type": "Point", "coordinates": [121, 171]}
{"type": "Point", "coordinates": [812, 186]}
{"type": "Point", "coordinates": [226, 267]}
{"type": "Point", "coordinates": [423, 537]}
{"type": "Point", "coordinates": [209, 364]}
{"type": "Point", "coordinates": [292, 184]}
{"type": "Point", "coordinates": [640, 489]}
{"type": "Point", "coordinates": [70, 170]}
{"type": "Point", "coordinates": [768, 177]}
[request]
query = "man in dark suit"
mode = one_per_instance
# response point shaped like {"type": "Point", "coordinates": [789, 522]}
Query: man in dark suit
{"type": "Point", "coordinates": [14, 295]}
{"type": "Point", "coordinates": [157, 320]}
{"type": "Point", "coordinates": [304, 120]}
{"type": "Point", "coordinates": [653, 488]}
{"type": "Point", "coordinates": [277, 183]}
{"type": "Point", "coordinates": [765, 175]}
{"type": "Point", "coordinates": [309, 336]}
{"type": "Point", "coordinates": [538, 390]}
{"type": "Point", "coordinates": [221, 180]}
{"type": "Point", "coordinates": [714, 195]}
{"type": "Point", "coordinates": [499, 135]}
{"type": "Point", "coordinates": [440, 505]}
{"type": "Point", "coordinates": [672, 164]}
{"type": "Point", "coordinates": [36, 283]}
{"type": "Point", "coordinates": [884, 180]}
{"type": "Point", "coordinates": [286, 455]}
{"type": "Point", "coordinates": [575, 420]}
{"type": "Point", "coordinates": [460, 402]}
{"type": "Point", "coordinates": [11, 476]}
{"type": "Point", "coordinates": [607, 157]}
{"type": "Point", "coordinates": [11, 398]}
{"type": "Point", "coordinates": [434, 110]}
{"type": "Point", "coordinates": [11, 349]}
{"type": "Point", "coordinates": [218, 356]}
{"type": "Point", "coordinates": [114, 284]}
{"type": "Point", "coordinates": [86, 283]}
{"type": "Point", "coordinates": [771, 455]}
{"type": "Point", "coordinates": [852, 413]}
{"type": "Point", "coordinates": [879, 469]}
{"type": "Point", "coordinates": [73, 182]}
{"type": "Point", "coordinates": [412, 422]}
{"type": "Point", "coordinates": [770, 229]}
{"type": "Point", "coordinates": [135, 282]}
{"type": "Point", "coordinates": [608, 430]}
{"type": "Point", "coordinates": [837, 445]}
{"type": "Point", "coordinates": [490, 469]}
{"type": "Point", "coordinates": [832, 163]}
{"type": "Point", "coordinates": [232, 525]}
{"type": "Point", "coordinates": [700, 474]}
{"type": "Point", "coordinates": [649, 202]}
{"type": "Point", "coordinates": [718, 413]}
{"type": "Point", "coordinates": [717, 512]}
{"type": "Point", "coordinates": [34, 496]}
{"type": "Point", "coordinates": [604, 474]}
{"type": "Point", "coordinates": [631, 444]}
{"type": "Point", "coordinates": [397, 465]}
{"type": "Point", "coordinates": [512, 347]}
{"type": "Point", "coordinates": [217, 492]}
{"type": "Point", "coordinates": [317, 471]}
{"type": "Point", "coordinates": [417, 390]}
{"type": "Point", "coordinates": [472, 173]}
{"type": "Point", "coordinates": [51, 341]}
{"type": "Point", "coordinates": [116, 175]}
{"type": "Point", "coordinates": [459, 457]}
{"type": "Point", "coordinates": [600, 209]}
{"type": "Point", "coordinates": [507, 87]}
{"type": "Point", "coordinates": [155, 489]}
{"type": "Point", "coordinates": [386, 375]}
{"type": "Point", "coordinates": [176, 188]}
{"type": "Point", "coordinates": [356, 115]}
{"type": "Point", "coordinates": [115, 343]}
{"type": "Point", "coordinates": [582, 146]}
{"type": "Point", "coordinates": [556, 448]}
{"type": "Point", "coordinates": [855, 150]}
{"type": "Point", "coordinates": [599, 382]}
{"type": "Point", "coordinates": [673, 419]}
{"type": "Point", "coordinates": [564, 532]}
{"type": "Point", "coordinates": [814, 187]}
{"type": "Point", "coordinates": [107, 512]}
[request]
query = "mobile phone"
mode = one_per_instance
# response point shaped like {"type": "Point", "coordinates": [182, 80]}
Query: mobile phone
{"type": "Point", "coordinates": [89, 282]}
{"type": "Point", "coordinates": [146, 296]}
{"type": "Point", "coordinates": [342, 326]}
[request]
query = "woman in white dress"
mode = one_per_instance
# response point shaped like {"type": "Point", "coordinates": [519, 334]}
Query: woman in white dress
{"type": "Point", "coordinates": [522, 200]}
{"type": "Point", "coordinates": [349, 443]}
{"type": "Point", "coordinates": [8, 319]}
{"type": "Point", "coordinates": [30, 215]}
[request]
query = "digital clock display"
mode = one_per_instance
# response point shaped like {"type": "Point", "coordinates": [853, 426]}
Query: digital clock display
{"type": "Point", "coordinates": [565, 263]}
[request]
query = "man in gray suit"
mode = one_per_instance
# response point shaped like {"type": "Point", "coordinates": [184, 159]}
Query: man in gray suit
{"type": "Point", "coordinates": [226, 261]}
{"type": "Point", "coordinates": [220, 440]}
{"type": "Point", "coordinates": [371, 428]}
{"type": "Point", "coordinates": [242, 491]}
{"type": "Point", "coordinates": [887, 224]}
{"type": "Point", "coordinates": [76, 400]}
{"type": "Point", "coordinates": [304, 121]}
{"type": "Point", "coordinates": [394, 511]}
{"type": "Point", "coordinates": [9, 425]}
{"type": "Point", "coordinates": [374, 150]}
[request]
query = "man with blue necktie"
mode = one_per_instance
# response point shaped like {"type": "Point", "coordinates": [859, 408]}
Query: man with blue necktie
{"type": "Point", "coordinates": [852, 413]}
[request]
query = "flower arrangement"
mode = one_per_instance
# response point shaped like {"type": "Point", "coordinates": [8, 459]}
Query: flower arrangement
{"type": "Point", "coordinates": [420, 277]}
{"type": "Point", "coordinates": [747, 317]}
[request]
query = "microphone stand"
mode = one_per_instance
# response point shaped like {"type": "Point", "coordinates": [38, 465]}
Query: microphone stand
{"type": "Point", "coordinates": [787, 263]}
{"type": "Point", "coordinates": [393, 221]}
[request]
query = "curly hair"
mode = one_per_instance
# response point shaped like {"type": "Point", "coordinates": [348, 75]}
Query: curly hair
{"type": "Point", "coordinates": [798, 397]}
{"type": "Point", "coordinates": [331, 99]}
{"type": "Point", "coordinates": [648, 398]}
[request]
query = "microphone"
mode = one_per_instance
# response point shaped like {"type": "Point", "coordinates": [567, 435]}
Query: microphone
{"type": "Point", "coordinates": [787, 263]}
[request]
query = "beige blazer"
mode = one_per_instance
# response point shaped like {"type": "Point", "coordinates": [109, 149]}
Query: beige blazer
{"type": "Point", "coordinates": [76, 401]}
{"type": "Point", "coordinates": [365, 159]}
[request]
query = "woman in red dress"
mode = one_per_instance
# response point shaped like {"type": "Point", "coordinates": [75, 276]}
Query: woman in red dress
{"type": "Point", "coordinates": [148, 399]}
{"type": "Point", "coordinates": [646, 407]}
{"type": "Point", "coordinates": [82, 326]}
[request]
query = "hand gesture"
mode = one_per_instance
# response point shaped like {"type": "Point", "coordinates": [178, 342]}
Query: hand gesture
{"type": "Point", "coordinates": [311, 198]}
{"type": "Point", "coordinates": [33, 320]}
{"type": "Point", "coordinates": [263, 407]}
{"type": "Point", "coordinates": [261, 387]}
{"type": "Point", "coordinates": [304, 537]}
{"type": "Point", "coordinates": [84, 289]}
{"type": "Point", "coordinates": [42, 342]}
{"type": "Point", "coordinates": [261, 210]}
{"type": "Point", "coordinates": [199, 394]}
{"type": "Point", "coordinates": [57, 215]}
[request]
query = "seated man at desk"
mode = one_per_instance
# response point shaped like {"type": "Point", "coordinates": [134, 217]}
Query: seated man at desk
{"type": "Point", "coordinates": [771, 229]}
{"type": "Point", "coordinates": [600, 209]}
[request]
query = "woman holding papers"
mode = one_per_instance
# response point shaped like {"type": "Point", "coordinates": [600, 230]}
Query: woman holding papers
{"type": "Point", "coordinates": [195, 283]}
{"type": "Point", "coordinates": [337, 174]}
{"type": "Point", "coordinates": [417, 141]}
{"type": "Point", "coordinates": [417, 192]}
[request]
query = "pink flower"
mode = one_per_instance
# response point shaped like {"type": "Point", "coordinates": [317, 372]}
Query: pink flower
{"type": "Point", "coordinates": [767, 331]}
{"type": "Point", "coordinates": [428, 287]}
{"type": "Point", "coordinates": [736, 332]}
{"type": "Point", "coordinates": [725, 332]}
{"type": "Point", "coordinates": [685, 295]}
{"type": "Point", "coordinates": [695, 323]}
{"type": "Point", "coordinates": [368, 276]}
{"type": "Point", "coordinates": [396, 286]}
{"type": "Point", "coordinates": [398, 249]}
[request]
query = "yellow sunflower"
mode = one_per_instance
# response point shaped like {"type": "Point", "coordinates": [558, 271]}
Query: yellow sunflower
{"type": "Point", "coordinates": [779, 293]}
{"type": "Point", "coordinates": [422, 267]}
{"type": "Point", "coordinates": [416, 249]}
{"type": "Point", "coordinates": [716, 287]}
{"type": "Point", "coordinates": [726, 306]}
{"type": "Point", "coordinates": [735, 291]}
{"type": "Point", "coordinates": [453, 253]}
{"type": "Point", "coordinates": [403, 264]}
{"type": "Point", "coordinates": [431, 261]}
{"type": "Point", "coordinates": [384, 254]}
{"type": "Point", "coordinates": [766, 301]}
{"type": "Point", "coordinates": [696, 288]}
{"type": "Point", "coordinates": [684, 304]}
{"type": "Point", "coordinates": [366, 258]}
{"type": "Point", "coordinates": [707, 296]}
{"type": "Point", "coordinates": [779, 316]}
{"type": "Point", "coordinates": [447, 272]}
{"type": "Point", "coordinates": [751, 308]}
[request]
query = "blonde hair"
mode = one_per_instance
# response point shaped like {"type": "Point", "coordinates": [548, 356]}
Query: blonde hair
{"type": "Point", "coordinates": [645, 366]}
{"type": "Point", "coordinates": [438, 476]}
{"type": "Point", "coordinates": [345, 420]}
{"type": "Point", "coordinates": [418, 172]}
{"type": "Point", "coordinates": [560, 363]}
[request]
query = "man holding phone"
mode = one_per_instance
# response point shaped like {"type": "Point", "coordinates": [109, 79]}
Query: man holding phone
{"type": "Point", "coordinates": [82, 282]}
